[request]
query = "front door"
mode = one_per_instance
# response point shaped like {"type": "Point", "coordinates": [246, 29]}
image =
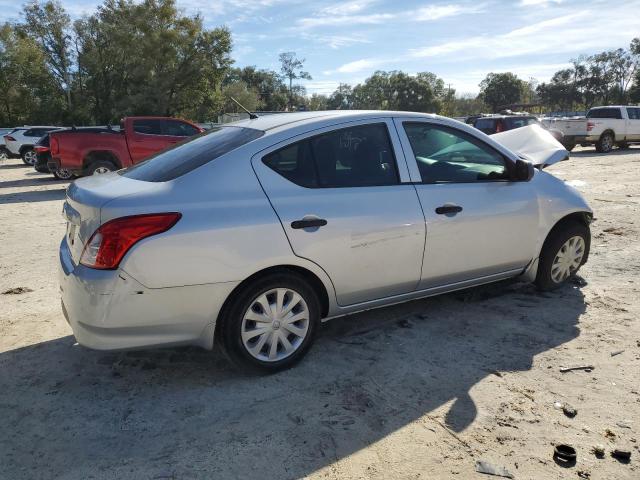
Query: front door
{"type": "Point", "coordinates": [342, 205]}
{"type": "Point", "coordinates": [479, 223]}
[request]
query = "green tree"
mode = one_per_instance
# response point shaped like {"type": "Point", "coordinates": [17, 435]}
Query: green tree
{"type": "Point", "coordinates": [341, 98]}
{"type": "Point", "coordinates": [500, 89]}
{"type": "Point", "coordinates": [291, 68]}
{"type": "Point", "coordinates": [49, 26]}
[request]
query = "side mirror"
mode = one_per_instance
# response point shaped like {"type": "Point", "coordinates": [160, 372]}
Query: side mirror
{"type": "Point", "coordinates": [524, 171]}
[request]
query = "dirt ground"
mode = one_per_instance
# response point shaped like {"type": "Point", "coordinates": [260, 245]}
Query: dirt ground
{"type": "Point", "coordinates": [421, 390]}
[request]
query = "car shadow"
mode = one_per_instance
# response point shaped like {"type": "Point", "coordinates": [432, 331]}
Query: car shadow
{"type": "Point", "coordinates": [33, 196]}
{"type": "Point", "coordinates": [613, 153]}
{"type": "Point", "coordinates": [185, 413]}
{"type": "Point", "coordinates": [10, 166]}
{"type": "Point", "coordinates": [42, 180]}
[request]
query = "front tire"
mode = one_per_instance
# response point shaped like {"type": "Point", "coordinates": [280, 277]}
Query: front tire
{"type": "Point", "coordinates": [29, 156]}
{"type": "Point", "coordinates": [271, 323]}
{"type": "Point", "coordinates": [563, 253]}
{"type": "Point", "coordinates": [606, 142]}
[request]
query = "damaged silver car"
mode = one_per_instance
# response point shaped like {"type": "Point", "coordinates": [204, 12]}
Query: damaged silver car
{"type": "Point", "coordinates": [255, 232]}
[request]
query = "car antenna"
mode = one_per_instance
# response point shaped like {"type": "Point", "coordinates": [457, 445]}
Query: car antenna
{"type": "Point", "coordinates": [252, 116]}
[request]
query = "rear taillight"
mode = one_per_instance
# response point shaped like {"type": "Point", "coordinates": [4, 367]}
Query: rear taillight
{"type": "Point", "coordinates": [40, 149]}
{"type": "Point", "coordinates": [9, 138]}
{"type": "Point", "coordinates": [110, 243]}
{"type": "Point", "coordinates": [54, 145]}
{"type": "Point", "coordinates": [590, 126]}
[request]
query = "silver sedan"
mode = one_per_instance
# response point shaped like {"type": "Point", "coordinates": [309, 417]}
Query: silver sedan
{"type": "Point", "coordinates": [255, 232]}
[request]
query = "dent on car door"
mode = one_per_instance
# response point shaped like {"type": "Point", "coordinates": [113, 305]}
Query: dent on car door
{"type": "Point", "coordinates": [479, 223]}
{"type": "Point", "coordinates": [342, 202]}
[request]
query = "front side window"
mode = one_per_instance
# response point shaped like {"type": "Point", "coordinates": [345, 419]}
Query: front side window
{"type": "Point", "coordinates": [359, 156]}
{"type": "Point", "coordinates": [448, 155]}
{"type": "Point", "coordinates": [633, 113]}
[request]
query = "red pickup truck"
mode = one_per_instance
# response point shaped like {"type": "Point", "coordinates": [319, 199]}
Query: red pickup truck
{"type": "Point", "coordinates": [102, 150]}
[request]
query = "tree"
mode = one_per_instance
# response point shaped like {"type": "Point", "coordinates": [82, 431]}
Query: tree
{"type": "Point", "coordinates": [341, 98]}
{"type": "Point", "coordinates": [318, 102]}
{"type": "Point", "coordinates": [273, 93]}
{"type": "Point", "coordinates": [241, 92]}
{"type": "Point", "coordinates": [397, 90]}
{"type": "Point", "coordinates": [50, 27]}
{"type": "Point", "coordinates": [500, 89]}
{"type": "Point", "coordinates": [291, 68]}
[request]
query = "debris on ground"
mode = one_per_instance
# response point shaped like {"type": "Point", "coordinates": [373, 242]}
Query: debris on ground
{"type": "Point", "coordinates": [621, 454]}
{"type": "Point", "coordinates": [584, 474]}
{"type": "Point", "coordinates": [624, 424]}
{"type": "Point", "coordinates": [405, 323]}
{"type": "Point", "coordinates": [495, 470]}
{"type": "Point", "coordinates": [609, 434]}
{"type": "Point", "coordinates": [17, 291]}
{"type": "Point", "coordinates": [617, 352]}
{"type": "Point", "coordinates": [586, 368]}
{"type": "Point", "coordinates": [565, 454]}
{"type": "Point", "coordinates": [569, 411]}
{"type": "Point", "coordinates": [598, 450]}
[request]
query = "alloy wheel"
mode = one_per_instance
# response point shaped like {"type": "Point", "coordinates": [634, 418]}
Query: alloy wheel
{"type": "Point", "coordinates": [30, 157]}
{"type": "Point", "coordinates": [568, 259]}
{"type": "Point", "coordinates": [101, 171]}
{"type": "Point", "coordinates": [275, 325]}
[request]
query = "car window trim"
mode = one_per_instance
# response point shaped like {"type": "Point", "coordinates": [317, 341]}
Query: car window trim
{"type": "Point", "coordinates": [315, 166]}
{"type": "Point", "coordinates": [414, 169]}
{"type": "Point", "coordinates": [399, 154]}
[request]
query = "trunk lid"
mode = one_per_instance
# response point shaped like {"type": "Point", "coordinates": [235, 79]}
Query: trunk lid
{"type": "Point", "coordinates": [84, 202]}
{"type": "Point", "coordinates": [534, 144]}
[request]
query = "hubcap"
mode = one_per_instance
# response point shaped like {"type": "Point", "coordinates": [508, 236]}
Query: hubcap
{"type": "Point", "coordinates": [64, 174]}
{"type": "Point", "coordinates": [101, 170]}
{"type": "Point", "coordinates": [275, 325]}
{"type": "Point", "coordinates": [3, 155]}
{"type": "Point", "coordinates": [568, 259]}
{"type": "Point", "coordinates": [30, 157]}
{"type": "Point", "coordinates": [606, 142]}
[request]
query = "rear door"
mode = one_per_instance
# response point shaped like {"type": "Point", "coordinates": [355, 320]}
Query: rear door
{"type": "Point", "coordinates": [633, 124]}
{"type": "Point", "coordinates": [609, 118]}
{"type": "Point", "coordinates": [345, 202]}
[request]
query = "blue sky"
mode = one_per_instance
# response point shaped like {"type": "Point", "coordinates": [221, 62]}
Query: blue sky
{"type": "Point", "coordinates": [461, 41]}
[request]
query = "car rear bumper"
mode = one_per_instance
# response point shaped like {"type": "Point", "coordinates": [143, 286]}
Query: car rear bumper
{"type": "Point", "coordinates": [110, 310]}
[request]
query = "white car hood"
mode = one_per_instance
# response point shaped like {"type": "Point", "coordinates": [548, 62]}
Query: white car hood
{"type": "Point", "coordinates": [534, 144]}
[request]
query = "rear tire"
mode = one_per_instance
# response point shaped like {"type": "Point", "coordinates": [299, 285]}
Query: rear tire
{"type": "Point", "coordinates": [4, 154]}
{"type": "Point", "coordinates": [100, 167]}
{"type": "Point", "coordinates": [62, 174]}
{"type": "Point", "coordinates": [570, 146]}
{"type": "Point", "coordinates": [29, 156]}
{"type": "Point", "coordinates": [564, 251]}
{"type": "Point", "coordinates": [606, 142]}
{"type": "Point", "coordinates": [245, 317]}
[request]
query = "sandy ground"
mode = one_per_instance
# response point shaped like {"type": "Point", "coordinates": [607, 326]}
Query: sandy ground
{"type": "Point", "coordinates": [420, 390]}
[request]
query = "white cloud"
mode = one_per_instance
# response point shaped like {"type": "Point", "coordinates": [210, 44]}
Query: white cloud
{"type": "Point", "coordinates": [539, 3]}
{"type": "Point", "coordinates": [341, 20]}
{"type": "Point", "coordinates": [359, 65]}
{"type": "Point", "coordinates": [436, 12]}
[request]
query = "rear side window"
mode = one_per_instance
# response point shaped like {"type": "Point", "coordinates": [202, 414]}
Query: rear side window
{"type": "Point", "coordinates": [148, 126]}
{"type": "Point", "coordinates": [519, 122]}
{"type": "Point", "coordinates": [176, 128]}
{"type": "Point", "coordinates": [193, 153]}
{"type": "Point", "coordinates": [605, 113]}
{"type": "Point", "coordinates": [359, 156]}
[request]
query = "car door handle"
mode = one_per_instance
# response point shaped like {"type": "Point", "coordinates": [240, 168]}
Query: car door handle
{"type": "Point", "coordinates": [444, 209]}
{"type": "Point", "coordinates": [308, 223]}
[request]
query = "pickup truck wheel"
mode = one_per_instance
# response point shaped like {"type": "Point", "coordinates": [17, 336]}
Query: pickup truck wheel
{"type": "Point", "coordinates": [606, 142]}
{"type": "Point", "coordinates": [565, 250]}
{"type": "Point", "coordinates": [29, 156]}
{"type": "Point", "coordinates": [63, 174]}
{"type": "Point", "coordinates": [4, 153]}
{"type": "Point", "coordinates": [99, 167]}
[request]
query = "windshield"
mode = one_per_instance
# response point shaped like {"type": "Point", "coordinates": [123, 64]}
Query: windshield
{"type": "Point", "coordinates": [188, 156]}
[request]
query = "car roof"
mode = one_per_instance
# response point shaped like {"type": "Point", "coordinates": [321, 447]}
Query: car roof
{"type": "Point", "coordinates": [269, 123]}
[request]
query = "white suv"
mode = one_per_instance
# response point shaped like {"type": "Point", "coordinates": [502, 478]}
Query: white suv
{"type": "Point", "coordinates": [21, 140]}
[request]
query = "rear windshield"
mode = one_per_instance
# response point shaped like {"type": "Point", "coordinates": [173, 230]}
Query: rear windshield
{"type": "Point", "coordinates": [193, 153]}
{"type": "Point", "coordinates": [605, 113]}
{"type": "Point", "coordinates": [485, 123]}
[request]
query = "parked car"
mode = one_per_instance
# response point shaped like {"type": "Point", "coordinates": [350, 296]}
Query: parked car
{"type": "Point", "coordinates": [4, 152]}
{"type": "Point", "coordinates": [256, 231]}
{"type": "Point", "coordinates": [604, 127]}
{"type": "Point", "coordinates": [101, 150]}
{"type": "Point", "coordinates": [501, 123]}
{"type": "Point", "coordinates": [21, 140]}
{"type": "Point", "coordinates": [44, 156]}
